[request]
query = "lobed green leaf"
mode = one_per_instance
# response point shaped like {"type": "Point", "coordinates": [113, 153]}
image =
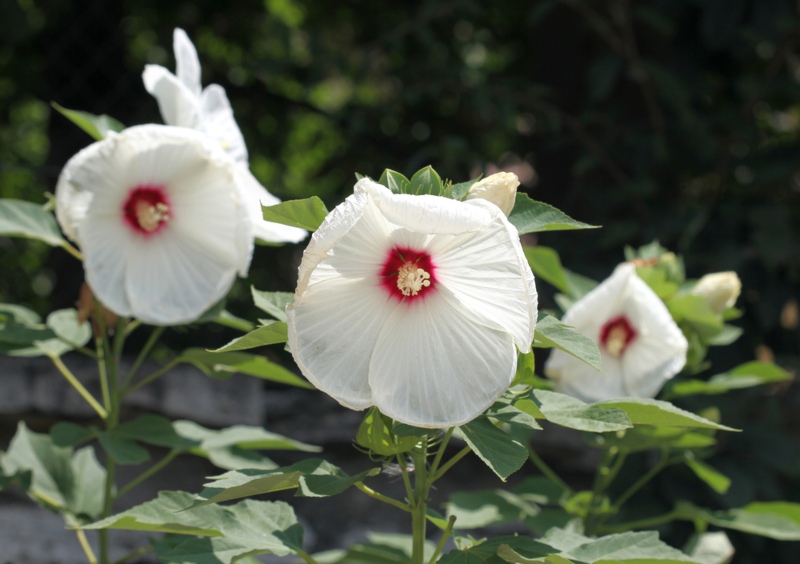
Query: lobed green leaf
{"type": "Point", "coordinates": [503, 454]}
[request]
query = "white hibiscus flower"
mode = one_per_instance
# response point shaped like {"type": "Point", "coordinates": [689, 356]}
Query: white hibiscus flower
{"type": "Point", "coordinates": [185, 103]}
{"type": "Point", "coordinates": [160, 219]}
{"type": "Point", "coordinates": [414, 304]}
{"type": "Point", "coordinates": [640, 344]}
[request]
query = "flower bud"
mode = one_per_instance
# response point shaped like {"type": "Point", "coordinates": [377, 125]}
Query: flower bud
{"type": "Point", "coordinates": [499, 188]}
{"type": "Point", "coordinates": [720, 290]}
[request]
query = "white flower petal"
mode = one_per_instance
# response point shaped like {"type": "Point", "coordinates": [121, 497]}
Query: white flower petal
{"type": "Point", "coordinates": [177, 104]}
{"type": "Point", "coordinates": [187, 64]}
{"type": "Point", "coordinates": [104, 242]}
{"type": "Point", "coordinates": [218, 122]}
{"type": "Point", "coordinates": [171, 281]}
{"type": "Point", "coordinates": [578, 379]}
{"type": "Point", "coordinates": [482, 271]}
{"type": "Point", "coordinates": [433, 367]}
{"type": "Point", "coordinates": [255, 196]}
{"type": "Point", "coordinates": [333, 327]}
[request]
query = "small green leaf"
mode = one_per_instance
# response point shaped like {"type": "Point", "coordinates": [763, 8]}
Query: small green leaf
{"type": "Point", "coordinates": [96, 126]}
{"type": "Point", "coordinates": [530, 216]}
{"type": "Point", "coordinates": [571, 412]}
{"type": "Point", "coordinates": [274, 303]}
{"type": "Point", "coordinates": [70, 333]}
{"type": "Point", "coordinates": [223, 365]}
{"type": "Point", "coordinates": [375, 433]}
{"type": "Point", "coordinates": [426, 181]}
{"type": "Point", "coordinates": [551, 333]}
{"type": "Point", "coordinates": [747, 375]}
{"type": "Point", "coordinates": [26, 219]}
{"type": "Point", "coordinates": [546, 265]}
{"type": "Point", "coordinates": [394, 181]}
{"type": "Point", "coordinates": [124, 451]}
{"type": "Point", "coordinates": [503, 454]}
{"type": "Point", "coordinates": [306, 214]}
{"type": "Point", "coordinates": [459, 191]}
{"type": "Point", "coordinates": [488, 552]}
{"type": "Point", "coordinates": [646, 411]}
{"type": "Point", "coordinates": [776, 520]}
{"type": "Point", "coordinates": [275, 332]}
{"type": "Point", "coordinates": [695, 311]}
{"type": "Point", "coordinates": [153, 430]}
{"type": "Point", "coordinates": [66, 434]}
{"type": "Point", "coordinates": [713, 478]}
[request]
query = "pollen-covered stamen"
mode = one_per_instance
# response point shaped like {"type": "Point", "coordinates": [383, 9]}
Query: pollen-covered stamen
{"type": "Point", "coordinates": [411, 279]}
{"type": "Point", "coordinates": [150, 216]}
{"type": "Point", "coordinates": [408, 274]}
{"type": "Point", "coordinates": [147, 210]}
{"type": "Point", "coordinates": [616, 335]}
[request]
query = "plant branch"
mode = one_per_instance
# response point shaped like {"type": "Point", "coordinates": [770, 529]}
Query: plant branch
{"type": "Point", "coordinates": [640, 524]}
{"type": "Point", "coordinates": [59, 364]}
{"type": "Point", "coordinates": [447, 532]}
{"type": "Point", "coordinates": [546, 470]}
{"type": "Point", "coordinates": [380, 497]}
{"type": "Point", "coordinates": [151, 341]}
{"type": "Point", "coordinates": [452, 462]}
{"type": "Point", "coordinates": [87, 549]}
{"type": "Point", "coordinates": [148, 473]}
{"type": "Point", "coordinates": [131, 555]}
{"type": "Point", "coordinates": [154, 376]}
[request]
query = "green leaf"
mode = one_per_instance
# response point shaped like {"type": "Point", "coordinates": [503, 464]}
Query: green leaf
{"type": "Point", "coordinates": [530, 216]}
{"type": "Point", "coordinates": [459, 191]}
{"type": "Point", "coordinates": [646, 411]}
{"type": "Point", "coordinates": [546, 265]}
{"type": "Point", "coordinates": [571, 412]}
{"type": "Point", "coordinates": [695, 311]}
{"type": "Point", "coordinates": [488, 552]}
{"type": "Point", "coordinates": [503, 454]}
{"type": "Point", "coordinates": [26, 219]}
{"type": "Point", "coordinates": [313, 477]}
{"type": "Point", "coordinates": [777, 520]}
{"type": "Point", "coordinates": [375, 433]}
{"type": "Point", "coordinates": [426, 181]}
{"type": "Point", "coordinates": [747, 375]}
{"type": "Point", "coordinates": [20, 478]}
{"type": "Point", "coordinates": [512, 415]}
{"type": "Point", "coordinates": [223, 365]}
{"type": "Point", "coordinates": [306, 214]}
{"type": "Point", "coordinates": [65, 434]}
{"type": "Point", "coordinates": [153, 430]}
{"type": "Point", "coordinates": [275, 332]}
{"type": "Point", "coordinates": [631, 547]}
{"type": "Point", "coordinates": [646, 437]}
{"type": "Point", "coordinates": [124, 451]}
{"type": "Point", "coordinates": [96, 126]}
{"type": "Point", "coordinates": [70, 332]}
{"type": "Point", "coordinates": [551, 333]}
{"type": "Point", "coordinates": [394, 181]}
{"type": "Point", "coordinates": [62, 479]}
{"type": "Point", "coordinates": [713, 478]}
{"type": "Point", "coordinates": [481, 509]}
{"type": "Point", "coordinates": [274, 303]}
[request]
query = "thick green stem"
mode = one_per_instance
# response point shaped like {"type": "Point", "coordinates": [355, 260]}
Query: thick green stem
{"type": "Point", "coordinates": [419, 505]}
{"type": "Point", "coordinates": [78, 386]}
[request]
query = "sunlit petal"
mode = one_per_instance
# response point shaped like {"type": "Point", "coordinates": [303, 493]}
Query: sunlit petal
{"type": "Point", "coordinates": [187, 64]}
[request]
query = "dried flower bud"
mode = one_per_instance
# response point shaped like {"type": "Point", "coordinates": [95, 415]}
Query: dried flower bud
{"type": "Point", "coordinates": [720, 290]}
{"type": "Point", "coordinates": [499, 188]}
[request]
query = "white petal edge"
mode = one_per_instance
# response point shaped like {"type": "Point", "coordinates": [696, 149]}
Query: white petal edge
{"type": "Point", "coordinates": [187, 63]}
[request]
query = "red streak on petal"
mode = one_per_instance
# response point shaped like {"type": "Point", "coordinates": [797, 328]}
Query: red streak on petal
{"type": "Point", "coordinates": [144, 195]}
{"type": "Point", "coordinates": [395, 259]}
{"type": "Point", "coordinates": [617, 334]}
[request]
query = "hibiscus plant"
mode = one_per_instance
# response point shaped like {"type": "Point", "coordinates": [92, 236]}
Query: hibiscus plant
{"type": "Point", "coordinates": [417, 303]}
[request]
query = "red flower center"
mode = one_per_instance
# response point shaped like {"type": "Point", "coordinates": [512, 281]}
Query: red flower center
{"type": "Point", "coordinates": [616, 335]}
{"type": "Point", "coordinates": [146, 210]}
{"type": "Point", "coordinates": [407, 274]}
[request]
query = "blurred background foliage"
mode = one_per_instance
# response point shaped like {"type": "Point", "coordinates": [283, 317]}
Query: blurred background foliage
{"type": "Point", "coordinates": [669, 120]}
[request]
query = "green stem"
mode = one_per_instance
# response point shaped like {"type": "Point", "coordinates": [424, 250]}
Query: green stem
{"type": "Point", "coordinates": [72, 250]}
{"type": "Point", "coordinates": [78, 386]}
{"type": "Point", "coordinates": [450, 463]}
{"type": "Point", "coordinates": [87, 549]}
{"type": "Point", "coordinates": [108, 499]}
{"type": "Point", "coordinates": [646, 477]}
{"type": "Point", "coordinates": [148, 473]}
{"type": "Point", "coordinates": [447, 532]}
{"type": "Point", "coordinates": [142, 355]}
{"type": "Point", "coordinates": [546, 470]}
{"type": "Point", "coordinates": [380, 497]}
{"type": "Point", "coordinates": [401, 461]}
{"type": "Point", "coordinates": [640, 524]}
{"type": "Point", "coordinates": [610, 465]}
{"type": "Point", "coordinates": [440, 452]}
{"type": "Point", "coordinates": [101, 367]}
{"type": "Point", "coordinates": [306, 557]}
{"type": "Point", "coordinates": [154, 376]}
{"type": "Point", "coordinates": [419, 505]}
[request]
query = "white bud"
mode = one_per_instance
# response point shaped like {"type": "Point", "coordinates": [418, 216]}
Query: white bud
{"type": "Point", "coordinates": [499, 188]}
{"type": "Point", "coordinates": [720, 290]}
